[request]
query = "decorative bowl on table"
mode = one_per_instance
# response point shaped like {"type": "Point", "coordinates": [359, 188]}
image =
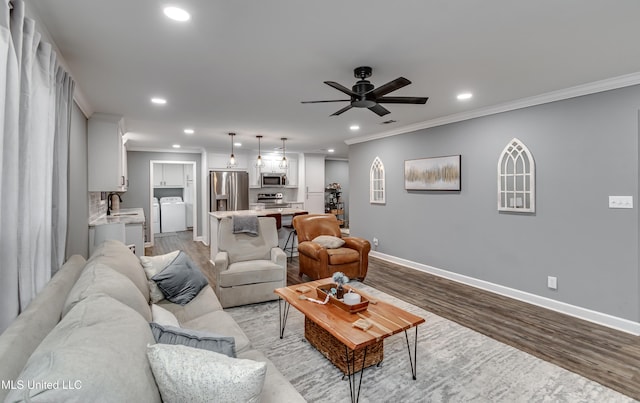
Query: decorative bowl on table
{"type": "Point", "coordinates": [325, 289]}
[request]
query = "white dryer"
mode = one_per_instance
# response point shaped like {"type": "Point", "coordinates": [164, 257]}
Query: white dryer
{"type": "Point", "coordinates": [172, 214]}
{"type": "Point", "coordinates": [155, 214]}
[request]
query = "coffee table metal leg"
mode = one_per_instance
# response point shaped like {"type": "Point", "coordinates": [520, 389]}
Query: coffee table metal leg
{"type": "Point", "coordinates": [351, 373]}
{"type": "Point", "coordinates": [283, 316]}
{"type": "Point", "coordinates": [413, 360]}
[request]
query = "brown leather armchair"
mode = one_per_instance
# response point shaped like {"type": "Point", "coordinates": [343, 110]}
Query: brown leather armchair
{"type": "Point", "coordinates": [319, 262]}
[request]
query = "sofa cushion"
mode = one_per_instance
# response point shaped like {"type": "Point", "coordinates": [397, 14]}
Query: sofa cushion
{"type": "Point", "coordinates": [276, 387]}
{"type": "Point", "coordinates": [99, 348]}
{"type": "Point", "coordinates": [24, 334]}
{"type": "Point", "coordinates": [251, 272]}
{"type": "Point", "coordinates": [181, 280]}
{"type": "Point", "coordinates": [222, 323]}
{"type": "Point", "coordinates": [193, 338]}
{"type": "Point", "coordinates": [186, 374]}
{"type": "Point", "coordinates": [328, 241]}
{"type": "Point", "coordinates": [153, 265]}
{"type": "Point", "coordinates": [342, 255]}
{"type": "Point", "coordinates": [205, 302]}
{"type": "Point", "coordinates": [101, 279]}
{"type": "Point", "coordinates": [119, 257]}
{"type": "Point", "coordinates": [163, 316]}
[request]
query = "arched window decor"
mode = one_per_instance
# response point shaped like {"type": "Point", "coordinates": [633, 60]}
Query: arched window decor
{"type": "Point", "coordinates": [376, 182]}
{"type": "Point", "coordinates": [516, 179]}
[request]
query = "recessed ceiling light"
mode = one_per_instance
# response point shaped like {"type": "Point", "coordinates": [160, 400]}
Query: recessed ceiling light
{"type": "Point", "coordinates": [354, 127]}
{"type": "Point", "coordinates": [176, 146]}
{"type": "Point", "coordinates": [158, 101]}
{"type": "Point", "coordinates": [464, 96]}
{"type": "Point", "coordinates": [237, 144]}
{"type": "Point", "coordinates": [189, 131]}
{"type": "Point", "coordinates": [177, 14]}
{"type": "Point", "coordinates": [331, 150]}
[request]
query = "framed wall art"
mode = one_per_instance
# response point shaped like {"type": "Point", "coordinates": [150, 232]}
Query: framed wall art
{"type": "Point", "coordinates": [437, 173]}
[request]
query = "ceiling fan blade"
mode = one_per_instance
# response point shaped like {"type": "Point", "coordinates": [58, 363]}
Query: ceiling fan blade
{"type": "Point", "coordinates": [389, 87]}
{"type": "Point", "coordinates": [317, 102]}
{"type": "Point", "coordinates": [342, 88]}
{"type": "Point", "coordinates": [379, 109]}
{"type": "Point", "coordinates": [346, 108]}
{"type": "Point", "coordinates": [403, 100]}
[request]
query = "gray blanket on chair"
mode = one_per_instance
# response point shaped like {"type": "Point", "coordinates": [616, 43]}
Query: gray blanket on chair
{"type": "Point", "coordinates": [247, 224]}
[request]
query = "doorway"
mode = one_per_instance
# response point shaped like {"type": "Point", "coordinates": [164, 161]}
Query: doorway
{"type": "Point", "coordinates": [174, 181]}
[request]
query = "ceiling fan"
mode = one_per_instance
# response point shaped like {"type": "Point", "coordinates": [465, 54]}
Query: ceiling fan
{"type": "Point", "coordinates": [364, 95]}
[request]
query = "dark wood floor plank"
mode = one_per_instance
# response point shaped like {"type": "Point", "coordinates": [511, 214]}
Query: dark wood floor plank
{"type": "Point", "coordinates": [602, 354]}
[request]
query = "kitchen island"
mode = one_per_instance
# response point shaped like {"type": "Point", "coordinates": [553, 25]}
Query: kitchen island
{"type": "Point", "coordinates": [133, 220]}
{"type": "Point", "coordinates": [216, 216]}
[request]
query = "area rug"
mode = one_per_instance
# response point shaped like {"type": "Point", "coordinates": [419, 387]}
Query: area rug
{"type": "Point", "coordinates": [455, 364]}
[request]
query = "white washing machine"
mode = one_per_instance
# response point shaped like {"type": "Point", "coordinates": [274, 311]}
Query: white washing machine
{"type": "Point", "coordinates": [172, 214]}
{"type": "Point", "coordinates": [156, 216]}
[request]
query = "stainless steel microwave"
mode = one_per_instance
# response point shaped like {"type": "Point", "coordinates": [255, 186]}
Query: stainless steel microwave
{"type": "Point", "coordinates": [273, 180]}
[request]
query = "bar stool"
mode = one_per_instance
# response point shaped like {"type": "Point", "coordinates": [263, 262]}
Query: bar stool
{"type": "Point", "coordinates": [292, 235]}
{"type": "Point", "coordinates": [278, 218]}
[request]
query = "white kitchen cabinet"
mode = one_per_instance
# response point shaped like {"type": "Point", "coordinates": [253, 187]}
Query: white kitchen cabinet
{"type": "Point", "coordinates": [168, 175]}
{"type": "Point", "coordinates": [134, 235]}
{"type": "Point", "coordinates": [292, 173]}
{"type": "Point", "coordinates": [314, 172]}
{"type": "Point", "coordinates": [254, 173]}
{"type": "Point", "coordinates": [106, 154]}
{"type": "Point", "coordinates": [272, 165]}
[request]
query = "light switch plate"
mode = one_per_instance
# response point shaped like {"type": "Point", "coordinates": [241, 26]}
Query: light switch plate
{"type": "Point", "coordinates": [620, 201]}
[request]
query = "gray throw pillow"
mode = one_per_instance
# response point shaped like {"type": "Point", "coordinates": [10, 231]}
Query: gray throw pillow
{"type": "Point", "coordinates": [192, 338]}
{"type": "Point", "coordinates": [181, 280]}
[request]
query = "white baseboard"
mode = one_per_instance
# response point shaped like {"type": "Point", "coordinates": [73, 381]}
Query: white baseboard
{"type": "Point", "coordinates": [600, 318]}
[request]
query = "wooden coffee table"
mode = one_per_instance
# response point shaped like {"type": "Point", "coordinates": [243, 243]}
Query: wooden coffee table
{"type": "Point", "coordinates": [330, 330]}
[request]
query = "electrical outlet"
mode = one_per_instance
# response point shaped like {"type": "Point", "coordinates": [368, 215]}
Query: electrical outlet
{"type": "Point", "coordinates": [552, 282]}
{"type": "Point", "coordinates": [620, 201]}
{"type": "Point", "coordinates": [375, 241]}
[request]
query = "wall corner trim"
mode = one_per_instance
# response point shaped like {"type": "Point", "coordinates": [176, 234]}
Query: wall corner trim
{"type": "Point", "coordinates": [608, 84]}
{"type": "Point", "coordinates": [599, 318]}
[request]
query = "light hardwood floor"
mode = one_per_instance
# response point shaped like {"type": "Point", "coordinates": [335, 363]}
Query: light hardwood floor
{"type": "Point", "coordinates": [604, 355]}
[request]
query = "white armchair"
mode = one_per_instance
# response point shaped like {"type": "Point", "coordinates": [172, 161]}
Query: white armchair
{"type": "Point", "coordinates": [248, 268]}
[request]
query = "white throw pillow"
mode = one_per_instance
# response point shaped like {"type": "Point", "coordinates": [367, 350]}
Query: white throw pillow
{"type": "Point", "coordinates": [187, 374]}
{"type": "Point", "coordinates": [328, 241]}
{"type": "Point", "coordinates": [163, 317]}
{"type": "Point", "coordinates": [153, 265]}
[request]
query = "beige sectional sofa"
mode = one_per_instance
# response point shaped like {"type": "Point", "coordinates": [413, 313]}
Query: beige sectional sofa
{"type": "Point", "coordinates": [85, 336]}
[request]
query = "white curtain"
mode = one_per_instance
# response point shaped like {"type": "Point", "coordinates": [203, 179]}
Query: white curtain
{"type": "Point", "coordinates": [35, 108]}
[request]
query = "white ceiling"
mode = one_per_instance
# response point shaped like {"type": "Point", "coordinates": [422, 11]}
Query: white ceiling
{"type": "Point", "coordinates": [244, 66]}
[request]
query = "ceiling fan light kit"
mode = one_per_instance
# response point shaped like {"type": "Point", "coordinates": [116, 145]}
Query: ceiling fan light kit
{"type": "Point", "coordinates": [365, 95]}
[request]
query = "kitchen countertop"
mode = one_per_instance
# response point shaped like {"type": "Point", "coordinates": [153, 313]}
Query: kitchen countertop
{"type": "Point", "coordinates": [124, 215]}
{"type": "Point", "coordinates": [285, 211]}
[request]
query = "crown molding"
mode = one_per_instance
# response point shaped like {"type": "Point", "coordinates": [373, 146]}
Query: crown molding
{"type": "Point", "coordinates": [627, 80]}
{"type": "Point", "coordinates": [167, 150]}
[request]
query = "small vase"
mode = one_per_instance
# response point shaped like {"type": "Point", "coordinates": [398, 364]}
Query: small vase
{"type": "Point", "coordinates": [340, 292]}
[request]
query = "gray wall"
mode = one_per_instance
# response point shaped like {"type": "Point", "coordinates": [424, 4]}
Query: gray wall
{"type": "Point", "coordinates": [78, 222]}
{"type": "Point", "coordinates": [585, 149]}
{"type": "Point", "coordinates": [338, 171]}
{"type": "Point", "coordinates": [137, 195]}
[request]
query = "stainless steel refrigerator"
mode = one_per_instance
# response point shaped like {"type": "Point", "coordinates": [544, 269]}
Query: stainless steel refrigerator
{"type": "Point", "coordinates": [228, 190]}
